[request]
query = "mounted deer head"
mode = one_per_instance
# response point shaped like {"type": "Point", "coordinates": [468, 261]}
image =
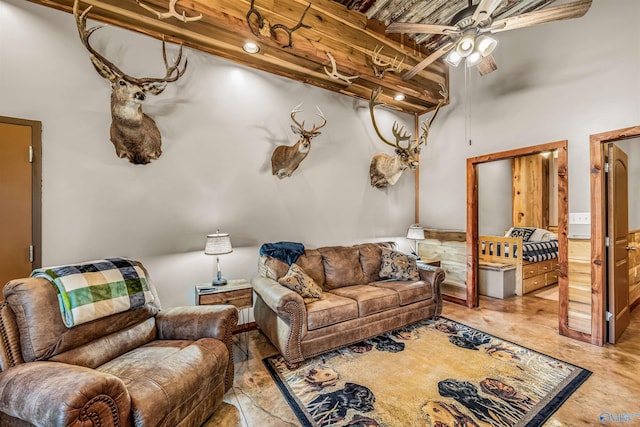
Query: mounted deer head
{"type": "Point", "coordinates": [133, 133]}
{"type": "Point", "coordinates": [384, 169]}
{"type": "Point", "coordinates": [286, 159]}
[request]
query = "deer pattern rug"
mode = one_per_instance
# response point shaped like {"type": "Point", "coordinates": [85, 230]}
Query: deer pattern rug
{"type": "Point", "coordinates": [433, 373]}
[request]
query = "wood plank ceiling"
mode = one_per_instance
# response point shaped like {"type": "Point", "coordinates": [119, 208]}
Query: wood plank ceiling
{"type": "Point", "coordinates": [350, 30]}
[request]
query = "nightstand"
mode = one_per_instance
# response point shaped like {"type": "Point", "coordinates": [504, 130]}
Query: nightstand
{"type": "Point", "coordinates": [236, 292]}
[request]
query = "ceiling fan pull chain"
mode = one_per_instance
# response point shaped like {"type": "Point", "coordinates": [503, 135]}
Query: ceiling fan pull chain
{"type": "Point", "coordinates": [467, 108]}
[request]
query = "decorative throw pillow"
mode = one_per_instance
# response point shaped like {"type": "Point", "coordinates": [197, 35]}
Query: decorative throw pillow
{"type": "Point", "coordinates": [300, 282]}
{"type": "Point", "coordinates": [524, 232]}
{"type": "Point", "coordinates": [398, 266]}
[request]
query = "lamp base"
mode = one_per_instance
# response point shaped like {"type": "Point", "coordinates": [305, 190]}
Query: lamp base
{"type": "Point", "coordinates": [219, 282]}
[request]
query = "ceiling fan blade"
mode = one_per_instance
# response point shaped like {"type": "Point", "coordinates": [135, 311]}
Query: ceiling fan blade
{"type": "Point", "coordinates": [484, 10]}
{"type": "Point", "coordinates": [566, 11]}
{"type": "Point", "coordinates": [428, 60]}
{"type": "Point", "coordinates": [407, 27]}
{"type": "Point", "coordinates": [487, 65]}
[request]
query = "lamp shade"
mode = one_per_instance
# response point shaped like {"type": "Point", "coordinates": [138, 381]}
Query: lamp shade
{"type": "Point", "coordinates": [218, 244]}
{"type": "Point", "coordinates": [415, 232]}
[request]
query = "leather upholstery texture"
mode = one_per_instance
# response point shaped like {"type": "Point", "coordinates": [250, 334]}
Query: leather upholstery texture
{"type": "Point", "coordinates": [355, 305]}
{"type": "Point", "coordinates": [143, 367]}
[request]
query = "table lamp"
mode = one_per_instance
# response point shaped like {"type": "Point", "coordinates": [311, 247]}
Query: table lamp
{"type": "Point", "coordinates": [415, 232]}
{"type": "Point", "coordinates": [218, 244]}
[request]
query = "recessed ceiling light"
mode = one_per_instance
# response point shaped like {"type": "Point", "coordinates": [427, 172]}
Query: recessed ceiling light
{"type": "Point", "coordinates": [399, 97]}
{"type": "Point", "coordinates": [251, 47]}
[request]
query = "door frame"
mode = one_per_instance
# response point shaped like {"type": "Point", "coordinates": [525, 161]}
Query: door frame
{"type": "Point", "coordinates": [563, 195]}
{"type": "Point", "coordinates": [599, 227]}
{"type": "Point", "coordinates": [36, 184]}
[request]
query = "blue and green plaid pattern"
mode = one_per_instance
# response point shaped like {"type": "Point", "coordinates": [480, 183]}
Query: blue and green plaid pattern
{"type": "Point", "coordinates": [97, 289]}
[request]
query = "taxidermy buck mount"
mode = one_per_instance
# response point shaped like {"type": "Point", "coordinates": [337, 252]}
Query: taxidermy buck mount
{"type": "Point", "coordinates": [286, 159]}
{"type": "Point", "coordinates": [384, 169]}
{"type": "Point", "coordinates": [133, 133]}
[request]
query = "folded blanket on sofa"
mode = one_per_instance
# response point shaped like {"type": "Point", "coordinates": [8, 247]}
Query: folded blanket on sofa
{"type": "Point", "coordinates": [284, 251]}
{"type": "Point", "coordinates": [96, 289]}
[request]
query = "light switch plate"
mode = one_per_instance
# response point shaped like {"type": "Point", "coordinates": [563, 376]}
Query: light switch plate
{"type": "Point", "coordinates": [580, 218]}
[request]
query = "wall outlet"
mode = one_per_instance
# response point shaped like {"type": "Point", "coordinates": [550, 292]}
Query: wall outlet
{"type": "Point", "coordinates": [580, 218]}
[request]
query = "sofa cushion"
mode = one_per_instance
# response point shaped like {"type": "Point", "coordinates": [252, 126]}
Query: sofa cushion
{"type": "Point", "coordinates": [331, 309]}
{"type": "Point", "coordinates": [409, 291]}
{"type": "Point", "coordinates": [370, 259]}
{"type": "Point", "coordinates": [370, 299]}
{"type": "Point", "coordinates": [300, 282]}
{"type": "Point", "coordinates": [163, 382]}
{"type": "Point", "coordinates": [272, 268]}
{"type": "Point", "coordinates": [311, 263]}
{"type": "Point", "coordinates": [398, 266]}
{"type": "Point", "coordinates": [342, 267]}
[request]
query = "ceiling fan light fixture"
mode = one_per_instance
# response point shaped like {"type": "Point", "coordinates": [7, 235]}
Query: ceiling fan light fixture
{"type": "Point", "coordinates": [474, 58]}
{"type": "Point", "coordinates": [453, 58]}
{"type": "Point", "coordinates": [465, 45]}
{"type": "Point", "coordinates": [485, 45]}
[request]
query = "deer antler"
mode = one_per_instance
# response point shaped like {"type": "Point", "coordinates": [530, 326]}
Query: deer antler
{"type": "Point", "coordinates": [171, 12]}
{"type": "Point", "coordinates": [380, 67]}
{"type": "Point", "coordinates": [426, 126]}
{"type": "Point", "coordinates": [301, 126]}
{"type": "Point", "coordinates": [103, 65]}
{"type": "Point", "coordinates": [266, 30]}
{"type": "Point", "coordinates": [398, 131]}
{"type": "Point", "coordinates": [334, 74]}
{"type": "Point", "coordinates": [100, 62]}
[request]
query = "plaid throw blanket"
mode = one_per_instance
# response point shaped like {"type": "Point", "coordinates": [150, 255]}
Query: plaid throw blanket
{"type": "Point", "coordinates": [96, 289]}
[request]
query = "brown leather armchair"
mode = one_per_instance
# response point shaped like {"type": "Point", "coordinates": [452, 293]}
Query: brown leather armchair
{"type": "Point", "coordinates": [142, 367]}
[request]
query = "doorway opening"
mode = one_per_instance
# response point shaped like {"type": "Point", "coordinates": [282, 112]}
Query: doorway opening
{"type": "Point", "coordinates": [599, 260]}
{"type": "Point", "coordinates": [562, 226]}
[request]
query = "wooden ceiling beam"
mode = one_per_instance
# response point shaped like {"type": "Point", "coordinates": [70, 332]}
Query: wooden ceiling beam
{"type": "Point", "coordinates": [349, 36]}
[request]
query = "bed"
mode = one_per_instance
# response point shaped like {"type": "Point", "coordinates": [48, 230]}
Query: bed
{"type": "Point", "coordinates": [532, 252]}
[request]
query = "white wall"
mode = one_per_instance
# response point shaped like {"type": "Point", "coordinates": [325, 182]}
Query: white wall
{"type": "Point", "coordinates": [220, 124]}
{"type": "Point", "coordinates": [495, 200]}
{"type": "Point", "coordinates": [555, 81]}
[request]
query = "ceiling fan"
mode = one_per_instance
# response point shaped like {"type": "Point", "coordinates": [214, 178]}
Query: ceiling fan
{"type": "Point", "coordinates": [466, 36]}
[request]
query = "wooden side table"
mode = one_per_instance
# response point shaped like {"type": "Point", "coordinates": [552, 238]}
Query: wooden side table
{"type": "Point", "coordinates": [236, 292]}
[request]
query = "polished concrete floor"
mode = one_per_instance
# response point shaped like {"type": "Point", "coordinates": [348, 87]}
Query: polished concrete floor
{"type": "Point", "coordinates": [613, 388]}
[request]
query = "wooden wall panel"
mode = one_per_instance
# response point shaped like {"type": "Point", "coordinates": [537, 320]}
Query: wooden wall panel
{"type": "Point", "coordinates": [531, 191]}
{"type": "Point", "coordinates": [580, 285]}
{"type": "Point", "coordinates": [448, 247]}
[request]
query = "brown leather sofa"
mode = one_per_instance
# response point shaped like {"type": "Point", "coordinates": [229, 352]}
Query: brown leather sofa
{"type": "Point", "coordinates": [142, 367]}
{"type": "Point", "coordinates": [356, 304]}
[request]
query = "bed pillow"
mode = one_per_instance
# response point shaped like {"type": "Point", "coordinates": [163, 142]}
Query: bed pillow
{"type": "Point", "coordinates": [531, 234]}
{"type": "Point", "coordinates": [300, 282]}
{"type": "Point", "coordinates": [398, 266]}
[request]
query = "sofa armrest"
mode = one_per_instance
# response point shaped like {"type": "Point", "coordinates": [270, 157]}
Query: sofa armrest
{"type": "Point", "coordinates": [193, 323]}
{"type": "Point", "coordinates": [281, 300]}
{"type": "Point", "coordinates": [53, 393]}
{"type": "Point", "coordinates": [435, 276]}
{"type": "Point", "coordinates": [203, 321]}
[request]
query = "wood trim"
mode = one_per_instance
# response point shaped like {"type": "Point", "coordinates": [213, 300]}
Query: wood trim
{"type": "Point", "coordinates": [36, 184]}
{"type": "Point", "coordinates": [416, 132]}
{"type": "Point", "coordinates": [472, 220]}
{"type": "Point", "coordinates": [348, 35]}
{"type": "Point", "coordinates": [598, 227]}
{"type": "Point", "coordinates": [472, 233]}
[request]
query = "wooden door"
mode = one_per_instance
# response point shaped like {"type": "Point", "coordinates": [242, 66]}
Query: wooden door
{"type": "Point", "coordinates": [19, 215]}
{"type": "Point", "coordinates": [618, 233]}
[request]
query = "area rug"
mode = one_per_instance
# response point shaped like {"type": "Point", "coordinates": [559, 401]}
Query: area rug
{"type": "Point", "coordinates": [434, 373]}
